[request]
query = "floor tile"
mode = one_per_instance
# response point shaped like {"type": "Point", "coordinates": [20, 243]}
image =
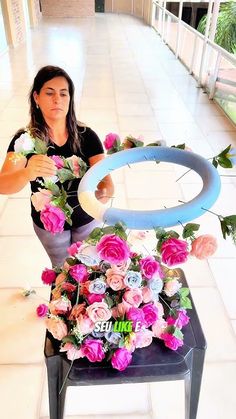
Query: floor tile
{"type": "Point", "coordinates": [16, 226]}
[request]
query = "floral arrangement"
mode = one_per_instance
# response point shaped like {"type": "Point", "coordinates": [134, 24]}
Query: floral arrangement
{"type": "Point", "coordinates": [51, 199]}
{"type": "Point", "coordinates": [110, 298]}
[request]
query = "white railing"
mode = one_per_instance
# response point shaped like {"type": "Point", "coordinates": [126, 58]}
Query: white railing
{"type": "Point", "coordinates": [205, 60]}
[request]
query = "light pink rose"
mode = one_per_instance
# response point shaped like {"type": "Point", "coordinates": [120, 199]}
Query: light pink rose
{"type": "Point", "coordinates": [204, 246]}
{"type": "Point", "coordinates": [72, 352]}
{"type": "Point", "coordinates": [93, 350]}
{"type": "Point", "coordinates": [158, 327]}
{"type": "Point", "coordinates": [98, 312]}
{"type": "Point", "coordinates": [75, 164]}
{"type": "Point", "coordinates": [160, 308]}
{"type": "Point", "coordinates": [41, 199]}
{"type": "Point", "coordinates": [56, 327]}
{"type": "Point", "coordinates": [115, 278]}
{"type": "Point", "coordinates": [121, 359]}
{"type": "Point", "coordinates": [133, 297]}
{"type": "Point", "coordinates": [150, 268]}
{"type": "Point", "coordinates": [79, 273]}
{"type": "Point", "coordinates": [48, 276]}
{"type": "Point", "coordinates": [53, 219]}
{"type": "Point", "coordinates": [60, 306]}
{"type": "Point", "coordinates": [171, 341]}
{"type": "Point", "coordinates": [110, 140]}
{"type": "Point", "coordinates": [174, 251]}
{"type": "Point", "coordinates": [143, 338]}
{"type": "Point", "coordinates": [172, 287]}
{"type": "Point", "coordinates": [42, 310]}
{"type": "Point", "coordinates": [85, 324]}
{"type": "Point", "coordinates": [73, 249]}
{"type": "Point", "coordinates": [113, 249]}
{"type": "Point", "coordinates": [77, 309]}
{"type": "Point", "coordinates": [147, 294]}
{"type": "Point", "coordinates": [58, 161]}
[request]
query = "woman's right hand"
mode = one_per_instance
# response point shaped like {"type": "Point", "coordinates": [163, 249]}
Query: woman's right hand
{"type": "Point", "coordinates": [40, 165]}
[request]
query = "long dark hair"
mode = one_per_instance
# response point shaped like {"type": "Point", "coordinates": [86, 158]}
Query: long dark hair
{"type": "Point", "coordinates": [38, 125]}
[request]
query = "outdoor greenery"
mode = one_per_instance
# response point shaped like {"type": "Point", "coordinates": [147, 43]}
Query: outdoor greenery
{"type": "Point", "coordinates": [226, 26]}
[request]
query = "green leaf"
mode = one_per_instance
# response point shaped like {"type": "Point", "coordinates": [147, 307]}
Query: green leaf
{"type": "Point", "coordinates": [121, 342]}
{"type": "Point", "coordinates": [65, 174]}
{"type": "Point", "coordinates": [70, 339]}
{"type": "Point", "coordinates": [109, 301]}
{"type": "Point", "coordinates": [189, 229]}
{"type": "Point", "coordinates": [224, 152]}
{"type": "Point", "coordinates": [40, 146]}
{"type": "Point", "coordinates": [71, 261]}
{"type": "Point", "coordinates": [231, 220]}
{"type": "Point", "coordinates": [225, 163]}
{"type": "Point", "coordinates": [215, 163]}
{"type": "Point", "coordinates": [95, 235]}
{"type": "Point", "coordinates": [178, 334]}
{"type": "Point", "coordinates": [160, 232]}
{"type": "Point", "coordinates": [52, 187]}
{"type": "Point", "coordinates": [224, 228]}
{"type": "Point", "coordinates": [185, 302]}
{"type": "Point", "coordinates": [183, 292]}
{"type": "Point", "coordinates": [180, 146]}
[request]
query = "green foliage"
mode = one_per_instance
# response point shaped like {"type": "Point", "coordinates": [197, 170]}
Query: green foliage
{"type": "Point", "coordinates": [226, 26]}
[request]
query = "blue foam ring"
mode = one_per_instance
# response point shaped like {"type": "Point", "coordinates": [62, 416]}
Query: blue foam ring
{"type": "Point", "coordinates": [144, 220]}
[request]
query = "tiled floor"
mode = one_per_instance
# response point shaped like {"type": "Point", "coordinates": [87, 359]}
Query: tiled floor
{"type": "Point", "coordinates": [127, 82]}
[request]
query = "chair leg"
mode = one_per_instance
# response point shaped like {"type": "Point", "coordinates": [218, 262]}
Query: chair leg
{"type": "Point", "coordinates": [55, 374]}
{"type": "Point", "coordinates": [195, 361]}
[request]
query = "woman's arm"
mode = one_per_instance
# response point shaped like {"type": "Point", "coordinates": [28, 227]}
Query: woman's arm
{"type": "Point", "coordinates": [15, 174]}
{"type": "Point", "coordinates": [105, 188]}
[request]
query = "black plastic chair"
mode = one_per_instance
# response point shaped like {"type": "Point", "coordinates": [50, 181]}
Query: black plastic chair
{"type": "Point", "coordinates": [154, 363]}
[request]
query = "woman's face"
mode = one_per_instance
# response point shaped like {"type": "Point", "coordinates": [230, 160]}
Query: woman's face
{"type": "Point", "coordinates": [54, 99]}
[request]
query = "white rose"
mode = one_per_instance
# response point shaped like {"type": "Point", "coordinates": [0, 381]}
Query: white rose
{"type": "Point", "coordinates": [24, 143]}
{"type": "Point", "coordinates": [88, 255]}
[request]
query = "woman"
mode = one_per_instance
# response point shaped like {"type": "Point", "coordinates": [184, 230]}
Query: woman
{"type": "Point", "coordinates": [53, 120]}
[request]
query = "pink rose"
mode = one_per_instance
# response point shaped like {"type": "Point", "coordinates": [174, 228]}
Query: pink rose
{"type": "Point", "coordinates": [143, 338]}
{"type": "Point", "coordinates": [171, 341]}
{"type": "Point", "coordinates": [53, 219]}
{"type": "Point", "coordinates": [136, 315]}
{"type": "Point", "coordinates": [158, 328]}
{"type": "Point", "coordinates": [110, 140]}
{"type": "Point", "coordinates": [56, 327]}
{"type": "Point", "coordinates": [113, 249]}
{"type": "Point", "coordinates": [203, 246]}
{"type": "Point", "coordinates": [73, 249]}
{"type": "Point", "coordinates": [180, 320]}
{"type": "Point", "coordinates": [98, 312]}
{"type": "Point", "coordinates": [48, 276]}
{"type": "Point", "coordinates": [93, 350]}
{"type": "Point", "coordinates": [174, 251]}
{"type": "Point", "coordinates": [41, 199]}
{"type": "Point", "coordinates": [172, 287]}
{"type": "Point", "coordinates": [60, 306]}
{"type": "Point", "coordinates": [72, 352]}
{"type": "Point", "coordinates": [133, 297]}
{"type": "Point", "coordinates": [95, 298]}
{"type": "Point", "coordinates": [115, 279]}
{"type": "Point", "coordinates": [121, 359]}
{"type": "Point", "coordinates": [42, 310]}
{"type": "Point", "coordinates": [79, 273]}
{"type": "Point", "coordinates": [119, 310]}
{"type": "Point", "coordinates": [150, 268]}
{"type": "Point", "coordinates": [74, 160]}
{"type": "Point", "coordinates": [150, 314]}
{"type": "Point", "coordinates": [85, 324]}
{"type": "Point", "coordinates": [147, 294]}
{"type": "Point", "coordinates": [58, 161]}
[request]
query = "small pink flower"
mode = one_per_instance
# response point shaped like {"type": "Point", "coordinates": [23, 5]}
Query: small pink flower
{"type": "Point", "coordinates": [113, 249]}
{"type": "Point", "coordinates": [110, 140]}
{"type": "Point", "coordinates": [147, 294]}
{"type": "Point", "coordinates": [58, 161]}
{"type": "Point", "coordinates": [72, 352]}
{"type": "Point", "coordinates": [172, 287]}
{"type": "Point", "coordinates": [48, 276]}
{"type": "Point", "coordinates": [75, 164]}
{"type": "Point", "coordinates": [171, 341]}
{"type": "Point", "coordinates": [42, 310]}
{"type": "Point", "coordinates": [93, 350]}
{"type": "Point", "coordinates": [41, 199]}
{"type": "Point", "coordinates": [203, 246]}
{"type": "Point", "coordinates": [98, 312]}
{"type": "Point", "coordinates": [174, 251]}
{"type": "Point", "coordinates": [56, 327]}
{"type": "Point", "coordinates": [143, 338]}
{"type": "Point", "coordinates": [53, 219]}
{"type": "Point", "coordinates": [180, 320]}
{"type": "Point", "coordinates": [85, 324]}
{"type": "Point", "coordinates": [73, 249]}
{"type": "Point", "coordinates": [121, 359]}
{"type": "Point", "coordinates": [60, 306]}
{"type": "Point", "coordinates": [158, 327]}
{"type": "Point", "coordinates": [79, 273]}
{"type": "Point", "coordinates": [150, 268]}
{"type": "Point", "coordinates": [150, 314]}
